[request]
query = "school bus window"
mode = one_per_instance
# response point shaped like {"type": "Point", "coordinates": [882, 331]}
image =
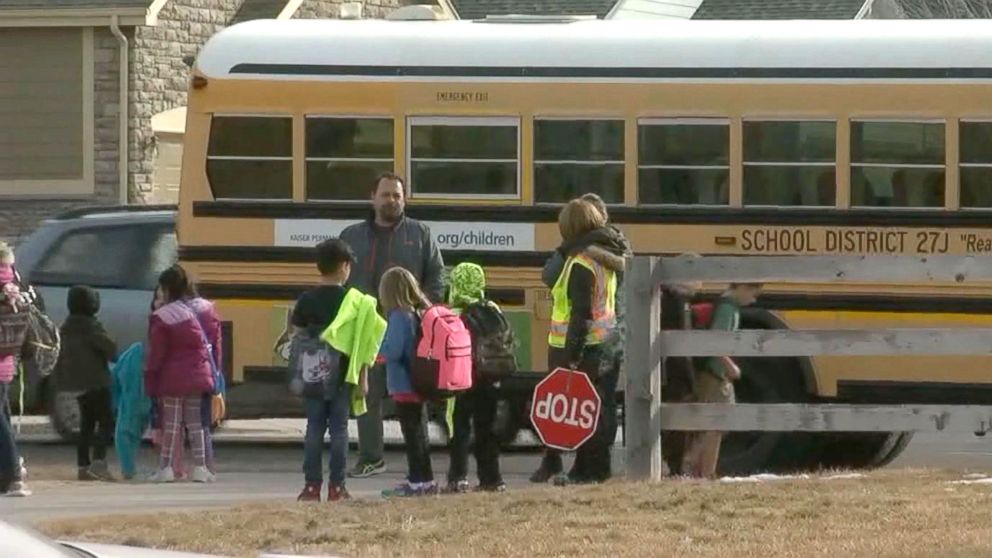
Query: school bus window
{"type": "Point", "coordinates": [251, 157]}
{"type": "Point", "coordinates": [344, 155]}
{"type": "Point", "coordinates": [471, 157]}
{"type": "Point", "coordinates": [574, 157]}
{"type": "Point", "coordinates": [976, 164]}
{"type": "Point", "coordinates": [790, 163]}
{"type": "Point", "coordinates": [683, 162]}
{"type": "Point", "coordinates": [897, 164]}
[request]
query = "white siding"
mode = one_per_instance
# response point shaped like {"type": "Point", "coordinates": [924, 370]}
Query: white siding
{"type": "Point", "coordinates": [655, 9]}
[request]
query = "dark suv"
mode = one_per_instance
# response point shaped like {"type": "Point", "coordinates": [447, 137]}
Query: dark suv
{"type": "Point", "coordinates": [120, 251]}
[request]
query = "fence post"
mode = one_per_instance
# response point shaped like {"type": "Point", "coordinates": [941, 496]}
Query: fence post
{"type": "Point", "coordinates": [642, 371]}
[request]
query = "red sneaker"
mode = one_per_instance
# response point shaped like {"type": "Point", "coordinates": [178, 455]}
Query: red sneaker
{"type": "Point", "coordinates": [310, 493]}
{"type": "Point", "coordinates": [337, 493]}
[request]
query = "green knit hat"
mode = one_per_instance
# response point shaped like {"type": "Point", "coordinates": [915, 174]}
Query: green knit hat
{"type": "Point", "coordinates": [467, 285]}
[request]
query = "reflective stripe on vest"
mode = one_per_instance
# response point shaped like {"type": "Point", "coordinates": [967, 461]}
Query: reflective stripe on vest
{"type": "Point", "coordinates": [604, 317]}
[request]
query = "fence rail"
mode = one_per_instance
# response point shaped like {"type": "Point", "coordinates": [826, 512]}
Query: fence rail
{"type": "Point", "coordinates": [974, 419]}
{"type": "Point", "coordinates": [647, 345]}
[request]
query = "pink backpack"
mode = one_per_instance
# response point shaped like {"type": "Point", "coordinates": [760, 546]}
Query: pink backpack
{"type": "Point", "coordinates": [442, 366]}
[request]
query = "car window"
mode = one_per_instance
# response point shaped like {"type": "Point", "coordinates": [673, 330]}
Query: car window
{"type": "Point", "coordinates": [163, 254]}
{"type": "Point", "coordinates": [98, 257]}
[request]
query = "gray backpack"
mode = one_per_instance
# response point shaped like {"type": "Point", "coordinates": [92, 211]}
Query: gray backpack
{"type": "Point", "coordinates": [314, 366]}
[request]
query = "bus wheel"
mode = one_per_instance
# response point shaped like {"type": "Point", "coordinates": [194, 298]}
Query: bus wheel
{"type": "Point", "coordinates": [894, 447]}
{"type": "Point", "coordinates": [746, 453]}
{"type": "Point", "coordinates": [854, 450]}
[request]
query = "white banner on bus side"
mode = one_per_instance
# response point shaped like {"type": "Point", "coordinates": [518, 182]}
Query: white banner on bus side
{"type": "Point", "coordinates": [449, 235]}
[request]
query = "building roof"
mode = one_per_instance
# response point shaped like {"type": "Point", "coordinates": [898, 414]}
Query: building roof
{"type": "Point", "coordinates": [601, 50]}
{"type": "Point", "coordinates": [779, 9]}
{"type": "Point", "coordinates": [479, 9]}
{"type": "Point", "coordinates": [945, 9]}
{"type": "Point", "coordinates": [78, 4]}
{"type": "Point", "coordinates": [42, 13]}
{"type": "Point", "coordinates": [258, 9]}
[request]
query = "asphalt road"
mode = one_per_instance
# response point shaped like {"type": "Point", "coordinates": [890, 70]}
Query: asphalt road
{"type": "Point", "coordinates": [269, 472]}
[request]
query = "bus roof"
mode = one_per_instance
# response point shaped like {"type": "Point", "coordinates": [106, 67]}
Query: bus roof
{"type": "Point", "coordinates": [601, 50]}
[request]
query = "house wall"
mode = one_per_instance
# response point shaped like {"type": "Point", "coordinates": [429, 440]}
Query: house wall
{"type": "Point", "coordinates": [158, 82]}
{"type": "Point", "coordinates": [18, 217]}
{"type": "Point", "coordinates": [160, 78]}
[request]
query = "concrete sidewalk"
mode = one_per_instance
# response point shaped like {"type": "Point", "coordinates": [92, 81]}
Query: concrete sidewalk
{"type": "Point", "coordinates": [38, 430]}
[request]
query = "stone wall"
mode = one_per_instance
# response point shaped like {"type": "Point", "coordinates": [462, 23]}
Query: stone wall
{"type": "Point", "coordinates": [158, 82]}
{"type": "Point", "coordinates": [20, 217]}
{"type": "Point", "coordinates": [160, 78]}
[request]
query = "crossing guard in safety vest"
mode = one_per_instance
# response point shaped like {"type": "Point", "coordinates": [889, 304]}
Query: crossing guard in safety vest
{"type": "Point", "coordinates": [583, 324]}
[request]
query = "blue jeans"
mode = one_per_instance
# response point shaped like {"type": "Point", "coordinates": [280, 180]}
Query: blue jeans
{"type": "Point", "coordinates": [10, 470]}
{"type": "Point", "coordinates": [327, 415]}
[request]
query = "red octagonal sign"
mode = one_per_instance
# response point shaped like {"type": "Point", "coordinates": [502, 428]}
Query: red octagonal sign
{"type": "Point", "coordinates": [565, 410]}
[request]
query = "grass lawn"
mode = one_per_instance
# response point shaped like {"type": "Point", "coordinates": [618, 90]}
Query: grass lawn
{"type": "Point", "coordinates": [885, 514]}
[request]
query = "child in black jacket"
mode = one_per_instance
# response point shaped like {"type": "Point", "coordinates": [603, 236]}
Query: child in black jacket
{"type": "Point", "coordinates": [83, 366]}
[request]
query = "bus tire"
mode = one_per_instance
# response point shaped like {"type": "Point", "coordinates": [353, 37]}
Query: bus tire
{"type": "Point", "coordinates": [766, 380]}
{"type": "Point", "coordinates": [747, 453]}
{"type": "Point", "coordinates": [893, 448]}
{"type": "Point", "coordinates": [852, 450]}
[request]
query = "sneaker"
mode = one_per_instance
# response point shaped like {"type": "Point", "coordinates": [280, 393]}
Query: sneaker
{"type": "Point", "coordinates": [457, 487]}
{"type": "Point", "coordinates": [202, 475]}
{"type": "Point", "coordinates": [85, 474]}
{"type": "Point", "coordinates": [545, 473]}
{"type": "Point", "coordinates": [569, 480]}
{"type": "Point", "coordinates": [18, 489]}
{"type": "Point", "coordinates": [429, 489]}
{"type": "Point", "coordinates": [498, 487]}
{"type": "Point", "coordinates": [163, 475]}
{"type": "Point", "coordinates": [401, 490]}
{"type": "Point", "coordinates": [365, 470]}
{"type": "Point", "coordinates": [100, 470]}
{"type": "Point", "coordinates": [408, 490]}
{"type": "Point", "coordinates": [337, 493]}
{"type": "Point", "coordinates": [310, 493]}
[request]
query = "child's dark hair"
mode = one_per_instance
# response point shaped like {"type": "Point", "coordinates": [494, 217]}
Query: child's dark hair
{"type": "Point", "coordinates": [332, 254]}
{"type": "Point", "coordinates": [83, 301]}
{"type": "Point", "coordinates": [175, 284]}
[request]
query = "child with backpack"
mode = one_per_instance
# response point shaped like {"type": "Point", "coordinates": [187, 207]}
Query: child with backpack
{"type": "Point", "coordinates": [492, 360]}
{"type": "Point", "coordinates": [14, 329]}
{"type": "Point", "coordinates": [327, 372]}
{"type": "Point", "coordinates": [28, 341]}
{"type": "Point", "coordinates": [714, 381]}
{"type": "Point", "coordinates": [401, 299]}
{"type": "Point", "coordinates": [84, 366]}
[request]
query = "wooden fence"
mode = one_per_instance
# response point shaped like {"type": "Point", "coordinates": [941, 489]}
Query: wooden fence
{"type": "Point", "coordinates": [647, 344]}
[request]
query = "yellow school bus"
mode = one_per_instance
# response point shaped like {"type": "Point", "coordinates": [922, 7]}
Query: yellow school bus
{"type": "Point", "coordinates": [856, 137]}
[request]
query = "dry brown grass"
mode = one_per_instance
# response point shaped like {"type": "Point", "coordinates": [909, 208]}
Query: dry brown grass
{"type": "Point", "coordinates": [888, 514]}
